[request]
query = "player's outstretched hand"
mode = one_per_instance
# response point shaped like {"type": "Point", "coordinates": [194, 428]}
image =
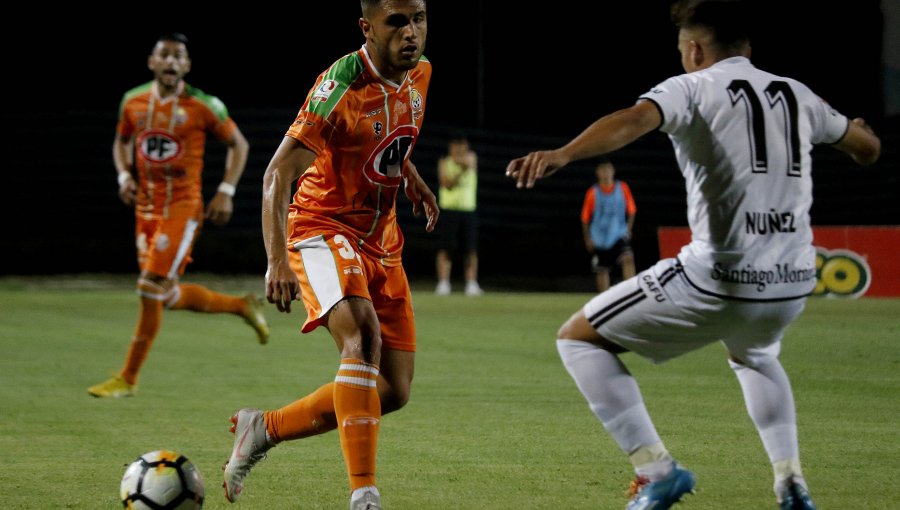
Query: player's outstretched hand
{"type": "Point", "coordinates": [537, 165]}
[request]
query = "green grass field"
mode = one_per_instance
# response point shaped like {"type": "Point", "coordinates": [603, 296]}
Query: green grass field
{"type": "Point", "coordinates": [494, 421]}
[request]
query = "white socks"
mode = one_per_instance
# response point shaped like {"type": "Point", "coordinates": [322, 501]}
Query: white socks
{"type": "Point", "coordinates": [770, 403]}
{"type": "Point", "coordinates": [614, 397]}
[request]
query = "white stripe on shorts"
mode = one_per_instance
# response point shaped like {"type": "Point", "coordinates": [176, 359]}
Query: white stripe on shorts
{"type": "Point", "coordinates": [186, 239]}
{"type": "Point", "coordinates": [322, 272]}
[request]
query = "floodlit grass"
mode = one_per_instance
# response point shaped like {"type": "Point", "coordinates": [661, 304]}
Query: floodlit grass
{"type": "Point", "coordinates": [494, 421]}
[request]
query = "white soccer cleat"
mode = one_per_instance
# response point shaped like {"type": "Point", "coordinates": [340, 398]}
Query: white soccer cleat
{"type": "Point", "coordinates": [473, 289]}
{"type": "Point", "coordinates": [443, 288]}
{"type": "Point", "coordinates": [365, 498]}
{"type": "Point", "coordinates": [250, 447]}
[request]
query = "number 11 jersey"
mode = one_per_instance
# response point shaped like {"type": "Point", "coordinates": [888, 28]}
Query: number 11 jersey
{"type": "Point", "coordinates": [743, 139]}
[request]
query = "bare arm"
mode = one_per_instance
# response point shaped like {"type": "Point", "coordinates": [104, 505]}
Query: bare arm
{"type": "Point", "coordinates": [121, 151]}
{"type": "Point", "coordinates": [860, 142]}
{"type": "Point", "coordinates": [607, 134]}
{"type": "Point", "coordinates": [586, 232]}
{"type": "Point", "coordinates": [420, 196]}
{"type": "Point", "coordinates": [291, 159]}
{"type": "Point", "coordinates": [221, 207]}
{"type": "Point", "coordinates": [630, 224]}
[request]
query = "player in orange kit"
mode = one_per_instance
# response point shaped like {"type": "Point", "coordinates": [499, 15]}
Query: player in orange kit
{"type": "Point", "coordinates": [349, 147]}
{"type": "Point", "coordinates": [162, 130]}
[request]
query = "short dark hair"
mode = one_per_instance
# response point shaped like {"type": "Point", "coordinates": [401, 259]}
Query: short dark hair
{"type": "Point", "coordinates": [365, 5]}
{"type": "Point", "coordinates": [173, 37]}
{"type": "Point", "coordinates": [727, 20]}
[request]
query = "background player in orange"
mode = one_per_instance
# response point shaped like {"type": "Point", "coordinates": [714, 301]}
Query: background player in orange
{"type": "Point", "coordinates": [349, 147]}
{"type": "Point", "coordinates": [162, 130]}
{"type": "Point", "coordinates": [607, 218]}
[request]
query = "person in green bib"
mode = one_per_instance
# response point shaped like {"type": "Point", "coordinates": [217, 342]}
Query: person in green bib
{"type": "Point", "coordinates": [457, 197]}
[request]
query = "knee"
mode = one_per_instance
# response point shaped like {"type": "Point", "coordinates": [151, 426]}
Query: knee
{"type": "Point", "coordinates": [394, 398]}
{"type": "Point", "coordinates": [564, 331]}
{"type": "Point", "coordinates": [569, 330]}
{"type": "Point", "coordinates": [157, 288]}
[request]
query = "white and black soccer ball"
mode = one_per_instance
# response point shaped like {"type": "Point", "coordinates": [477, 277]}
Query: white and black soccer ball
{"type": "Point", "coordinates": [162, 480]}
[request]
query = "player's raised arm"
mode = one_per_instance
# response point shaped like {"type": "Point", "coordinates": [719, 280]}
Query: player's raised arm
{"type": "Point", "coordinates": [607, 134]}
{"type": "Point", "coordinates": [289, 161]}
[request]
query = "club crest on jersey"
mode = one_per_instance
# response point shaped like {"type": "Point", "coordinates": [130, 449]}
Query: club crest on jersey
{"type": "Point", "coordinates": [378, 127]}
{"type": "Point", "coordinates": [416, 103]}
{"type": "Point", "coordinates": [323, 92]}
{"type": "Point", "coordinates": [181, 116]}
{"type": "Point", "coordinates": [386, 161]}
{"type": "Point", "coordinates": [158, 146]}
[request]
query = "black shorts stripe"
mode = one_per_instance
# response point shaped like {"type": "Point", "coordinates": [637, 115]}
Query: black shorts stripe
{"type": "Point", "coordinates": [622, 307]}
{"type": "Point", "coordinates": [670, 273]}
{"type": "Point", "coordinates": [667, 274]}
{"type": "Point", "coordinates": [614, 304]}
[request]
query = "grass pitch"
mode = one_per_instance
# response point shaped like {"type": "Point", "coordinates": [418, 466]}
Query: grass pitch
{"type": "Point", "coordinates": [494, 421]}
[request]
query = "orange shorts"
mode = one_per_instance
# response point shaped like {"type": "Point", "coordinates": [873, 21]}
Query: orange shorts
{"type": "Point", "coordinates": [164, 244]}
{"type": "Point", "coordinates": [331, 269]}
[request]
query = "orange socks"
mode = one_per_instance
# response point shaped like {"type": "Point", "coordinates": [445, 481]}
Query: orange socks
{"type": "Point", "coordinates": [358, 411]}
{"type": "Point", "coordinates": [311, 415]}
{"type": "Point", "coordinates": [200, 299]}
{"type": "Point", "coordinates": [147, 327]}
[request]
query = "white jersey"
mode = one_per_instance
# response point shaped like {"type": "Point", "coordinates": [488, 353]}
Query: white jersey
{"type": "Point", "coordinates": [743, 138]}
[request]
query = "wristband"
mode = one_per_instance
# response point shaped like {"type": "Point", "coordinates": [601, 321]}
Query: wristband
{"type": "Point", "coordinates": [123, 177]}
{"type": "Point", "coordinates": [227, 189]}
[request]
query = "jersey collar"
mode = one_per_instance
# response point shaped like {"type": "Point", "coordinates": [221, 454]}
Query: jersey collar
{"type": "Point", "coordinates": [374, 70]}
{"type": "Point", "coordinates": [160, 100]}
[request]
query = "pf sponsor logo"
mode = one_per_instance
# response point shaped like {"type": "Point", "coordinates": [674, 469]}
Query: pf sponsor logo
{"type": "Point", "coordinates": [323, 92]}
{"type": "Point", "coordinates": [386, 161]}
{"type": "Point", "coordinates": [158, 146]}
{"type": "Point", "coordinates": [841, 273]}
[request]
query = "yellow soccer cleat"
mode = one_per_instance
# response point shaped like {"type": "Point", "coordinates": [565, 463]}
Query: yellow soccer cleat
{"type": "Point", "coordinates": [256, 319]}
{"type": "Point", "coordinates": [113, 388]}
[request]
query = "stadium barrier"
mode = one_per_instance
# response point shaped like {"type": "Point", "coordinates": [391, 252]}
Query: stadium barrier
{"type": "Point", "coordinates": [851, 261]}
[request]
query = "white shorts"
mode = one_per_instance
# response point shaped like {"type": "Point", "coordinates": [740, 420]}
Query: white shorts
{"type": "Point", "coordinates": [659, 315]}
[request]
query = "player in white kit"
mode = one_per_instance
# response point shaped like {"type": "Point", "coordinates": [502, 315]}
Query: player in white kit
{"type": "Point", "coordinates": [742, 138]}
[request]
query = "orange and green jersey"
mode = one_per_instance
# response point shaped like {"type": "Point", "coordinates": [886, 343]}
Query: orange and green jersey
{"type": "Point", "coordinates": [362, 128]}
{"type": "Point", "coordinates": [169, 140]}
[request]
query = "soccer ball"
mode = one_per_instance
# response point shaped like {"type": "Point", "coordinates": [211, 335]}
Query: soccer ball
{"type": "Point", "coordinates": [162, 480]}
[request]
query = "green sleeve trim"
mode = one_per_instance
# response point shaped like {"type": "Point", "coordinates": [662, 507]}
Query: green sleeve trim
{"type": "Point", "coordinates": [140, 89]}
{"type": "Point", "coordinates": [212, 102]}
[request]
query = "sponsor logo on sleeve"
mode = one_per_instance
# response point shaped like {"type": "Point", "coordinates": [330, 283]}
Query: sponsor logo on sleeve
{"type": "Point", "coordinates": [323, 92]}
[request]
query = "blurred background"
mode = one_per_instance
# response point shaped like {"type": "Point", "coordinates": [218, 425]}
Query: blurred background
{"type": "Point", "coordinates": [515, 79]}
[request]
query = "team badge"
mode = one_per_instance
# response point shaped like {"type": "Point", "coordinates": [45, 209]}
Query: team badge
{"type": "Point", "coordinates": [416, 103]}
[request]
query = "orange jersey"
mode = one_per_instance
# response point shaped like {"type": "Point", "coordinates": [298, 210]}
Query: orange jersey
{"type": "Point", "coordinates": [169, 140]}
{"type": "Point", "coordinates": [362, 129]}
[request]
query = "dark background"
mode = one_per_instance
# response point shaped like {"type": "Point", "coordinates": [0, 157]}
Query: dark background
{"type": "Point", "coordinates": [515, 78]}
